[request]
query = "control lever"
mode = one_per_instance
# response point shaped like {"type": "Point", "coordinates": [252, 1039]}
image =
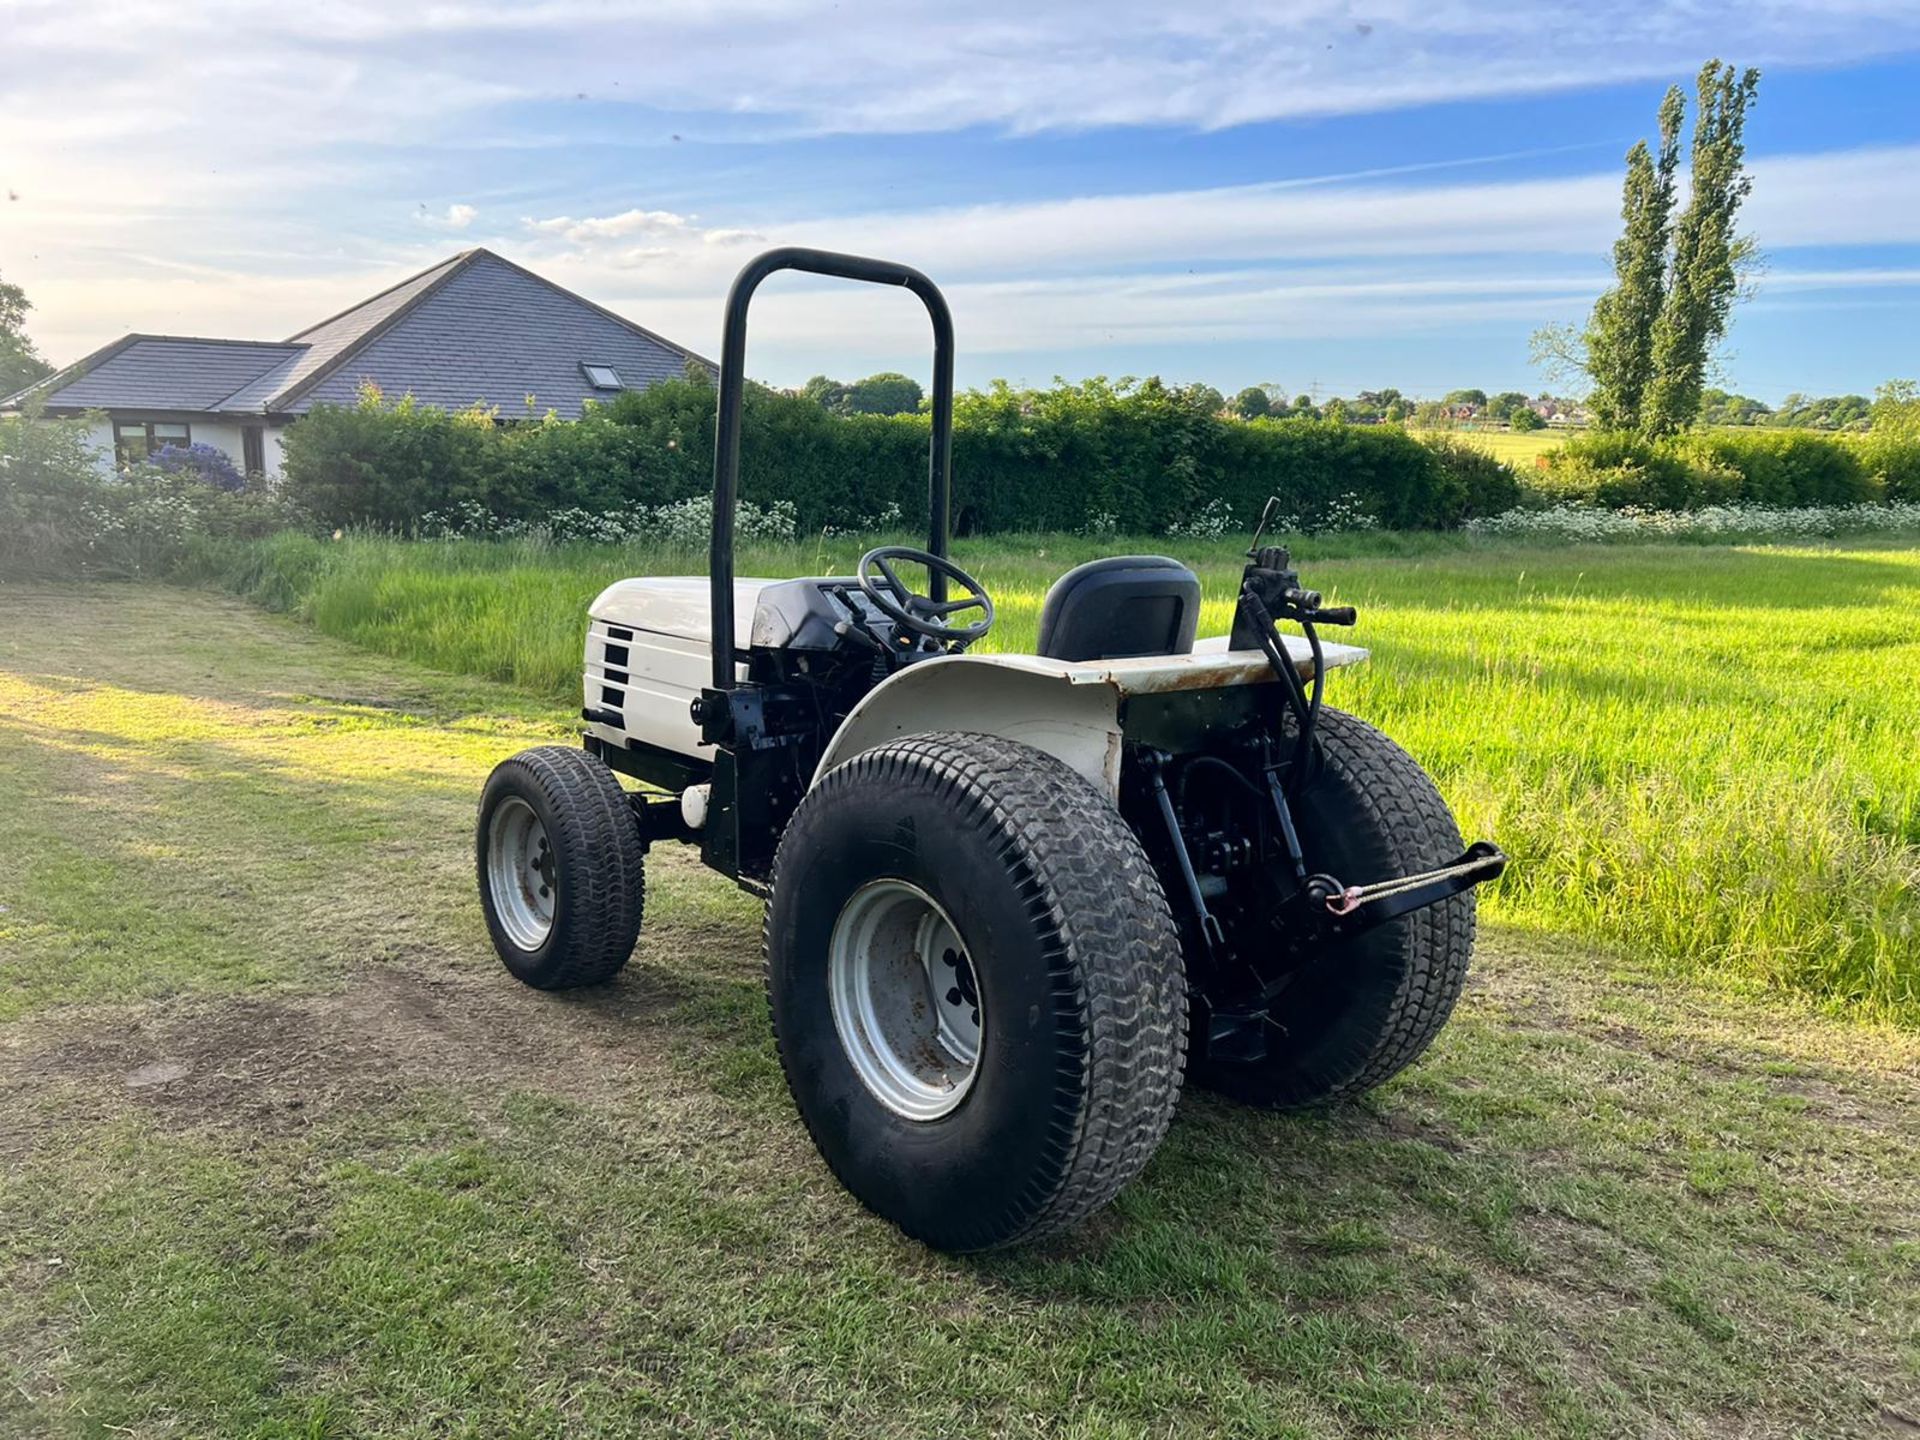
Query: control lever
{"type": "Point", "coordinates": [847, 630]}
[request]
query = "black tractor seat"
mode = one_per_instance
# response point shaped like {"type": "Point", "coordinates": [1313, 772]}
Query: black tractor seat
{"type": "Point", "coordinates": [1121, 606]}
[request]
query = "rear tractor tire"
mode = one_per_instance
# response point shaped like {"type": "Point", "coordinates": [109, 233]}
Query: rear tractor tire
{"type": "Point", "coordinates": [562, 868]}
{"type": "Point", "coordinates": [1370, 1008]}
{"type": "Point", "coordinates": [976, 988]}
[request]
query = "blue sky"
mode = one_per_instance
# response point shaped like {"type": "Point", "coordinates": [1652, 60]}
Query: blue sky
{"type": "Point", "coordinates": [1319, 195]}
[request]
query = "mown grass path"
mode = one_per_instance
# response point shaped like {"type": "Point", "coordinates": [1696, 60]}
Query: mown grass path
{"type": "Point", "coordinates": [284, 1153]}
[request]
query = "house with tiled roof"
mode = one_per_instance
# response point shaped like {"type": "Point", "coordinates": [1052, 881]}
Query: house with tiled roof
{"type": "Point", "coordinates": [475, 329]}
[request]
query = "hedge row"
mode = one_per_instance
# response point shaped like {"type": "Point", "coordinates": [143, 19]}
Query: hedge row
{"type": "Point", "coordinates": [1140, 458]}
{"type": "Point", "coordinates": [1143, 458]}
{"type": "Point", "coordinates": [1726, 467]}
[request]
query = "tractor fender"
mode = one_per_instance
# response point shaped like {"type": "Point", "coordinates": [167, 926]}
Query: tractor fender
{"type": "Point", "coordinates": [1070, 709]}
{"type": "Point", "coordinates": [1001, 695]}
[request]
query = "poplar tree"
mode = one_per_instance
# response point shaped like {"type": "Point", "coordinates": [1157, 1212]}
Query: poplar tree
{"type": "Point", "coordinates": [1707, 254]}
{"type": "Point", "coordinates": [1619, 337]}
{"type": "Point", "coordinates": [1651, 336]}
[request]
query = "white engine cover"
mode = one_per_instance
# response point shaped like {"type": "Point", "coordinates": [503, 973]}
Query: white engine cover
{"type": "Point", "coordinates": [660, 626]}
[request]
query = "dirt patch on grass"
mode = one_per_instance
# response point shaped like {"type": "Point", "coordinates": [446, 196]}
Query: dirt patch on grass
{"type": "Point", "coordinates": [275, 1065]}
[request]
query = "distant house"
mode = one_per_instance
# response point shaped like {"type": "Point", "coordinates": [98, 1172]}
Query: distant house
{"type": "Point", "coordinates": [475, 329]}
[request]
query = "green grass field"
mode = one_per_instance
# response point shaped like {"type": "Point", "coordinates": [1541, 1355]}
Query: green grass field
{"type": "Point", "coordinates": [284, 1153]}
{"type": "Point", "coordinates": [1520, 449]}
{"type": "Point", "coordinates": [1705, 754]}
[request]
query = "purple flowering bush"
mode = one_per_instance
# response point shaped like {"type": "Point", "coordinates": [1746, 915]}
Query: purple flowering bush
{"type": "Point", "coordinates": [202, 462]}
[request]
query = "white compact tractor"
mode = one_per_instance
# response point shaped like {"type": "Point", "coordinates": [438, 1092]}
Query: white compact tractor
{"type": "Point", "coordinates": [1013, 902]}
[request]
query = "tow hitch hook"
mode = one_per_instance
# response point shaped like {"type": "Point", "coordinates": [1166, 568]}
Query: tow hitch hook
{"type": "Point", "coordinates": [1353, 909]}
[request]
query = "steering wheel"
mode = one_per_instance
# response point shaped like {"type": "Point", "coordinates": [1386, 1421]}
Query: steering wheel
{"type": "Point", "coordinates": [920, 613]}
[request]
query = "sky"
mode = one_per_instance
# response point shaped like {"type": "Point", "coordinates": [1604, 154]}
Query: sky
{"type": "Point", "coordinates": [1321, 195]}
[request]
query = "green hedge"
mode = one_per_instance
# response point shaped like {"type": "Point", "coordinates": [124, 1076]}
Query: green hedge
{"type": "Point", "coordinates": [1142, 458]}
{"type": "Point", "coordinates": [1780, 468]}
{"type": "Point", "coordinates": [1145, 458]}
{"type": "Point", "coordinates": [1892, 459]}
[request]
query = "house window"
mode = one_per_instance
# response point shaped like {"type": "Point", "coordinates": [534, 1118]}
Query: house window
{"type": "Point", "coordinates": [602, 377]}
{"type": "Point", "coordinates": [253, 450]}
{"type": "Point", "coordinates": [135, 440]}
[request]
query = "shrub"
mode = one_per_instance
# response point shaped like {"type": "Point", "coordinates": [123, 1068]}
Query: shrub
{"type": "Point", "coordinates": [64, 514]}
{"type": "Point", "coordinates": [201, 462]}
{"type": "Point", "coordinates": [1784, 467]}
{"type": "Point", "coordinates": [1474, 481]}
{"type": "Point", "coordinates": [385, 465]}
{"type": "Point", "coordinates": [1891, 453]}
{"type": "Point", "coordinates": [1713, 467]}
{"type": "Point", "coordinates": [1892, 463]}
{"type": "Point", "coordinates": [50, 472]}
{"type": "Point", "coordinates": [1614, 469]}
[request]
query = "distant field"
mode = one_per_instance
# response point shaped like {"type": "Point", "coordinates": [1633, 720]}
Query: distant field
{"type": "Point", "coordinates": [1701, 753]}
{"type": "Point", "coordinates": [1522, 451]}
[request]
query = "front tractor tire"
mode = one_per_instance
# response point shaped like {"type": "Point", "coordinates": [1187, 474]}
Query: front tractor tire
{"type": "Point", "coordinates": [1368, 1008]}
{"type": "Point", "coordinates": [561, 865]}
{"type": "Point", "coordinates": [976, 988]}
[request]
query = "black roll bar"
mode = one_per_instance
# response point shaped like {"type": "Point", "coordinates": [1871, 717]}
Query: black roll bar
{"type": "Point", "coordinates": [726, 448]}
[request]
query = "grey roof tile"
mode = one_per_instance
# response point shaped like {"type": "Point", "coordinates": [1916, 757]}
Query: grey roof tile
{"type": "Point", "coordinates": [494, 333]}
{"type": "Point", "coordinates": [334, 337]}
{"type": "Point", "coordinates": [157, 372]}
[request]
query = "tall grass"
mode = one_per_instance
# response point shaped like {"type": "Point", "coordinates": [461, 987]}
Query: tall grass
{"type": "Point", "coordinates": [1709, 755]}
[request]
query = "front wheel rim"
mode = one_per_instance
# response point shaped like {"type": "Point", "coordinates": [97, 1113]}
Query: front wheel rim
{"type": "Point", "coordinates": [905, 999]}
{"type": "Point", "coordinates": [522, 876]}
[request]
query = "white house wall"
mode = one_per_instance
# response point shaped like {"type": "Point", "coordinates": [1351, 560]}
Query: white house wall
{"type": "Point", "coordinates": [223, 434]}
{"type": "Point", "coordinates": [270, 450]}
{"type": "Point", "coordinates": [100, 437]}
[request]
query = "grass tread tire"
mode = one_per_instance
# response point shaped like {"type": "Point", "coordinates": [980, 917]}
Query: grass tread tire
{"type": "Point", "coordinates": [601, 860]}
{"type": "Point", "coordinates": [1113, 969]}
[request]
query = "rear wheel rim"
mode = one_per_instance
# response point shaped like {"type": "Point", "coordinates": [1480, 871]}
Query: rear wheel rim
{"type": "Point", "coordinates": [905, 999]}
{"type": "Point", "coordinates": [522, 875]}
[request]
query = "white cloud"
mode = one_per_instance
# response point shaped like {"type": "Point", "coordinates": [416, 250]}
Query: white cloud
{"type": "Point", "coordinates": [454, 217]}
{"type": "Point", "coordinates": [626, 224]}
{"type": "Point", "coordinates": [369, 70]}
{"type": "Point", "coordinates": [296, 120]}
{"type": "Point", "coordinates": [1839, 198]}
{"type": "Point", "coordinates": [1295, 260]}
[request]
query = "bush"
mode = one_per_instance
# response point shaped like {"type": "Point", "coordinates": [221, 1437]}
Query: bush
{"type": "Point", "coordinates": [1614, 470]}
{"type": "Point", "coordinates": [1892, 464]}
{"type": "Point", "coordinates": [382, 465]}
{"type": "Point", "coordinates": [200, 462]}
{"type": "Point", "coordinates": [1784, 467]}
{"type": "Point", "coordinates": [1474, 481]}
{"type": "Point", "coordinates": [64, 515]}
{"type": "Point", "coordinates": [1891, 454]}
{"type": "Point", "coordinates": [1713, 467]}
